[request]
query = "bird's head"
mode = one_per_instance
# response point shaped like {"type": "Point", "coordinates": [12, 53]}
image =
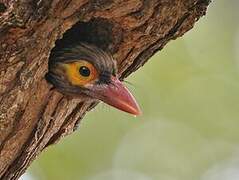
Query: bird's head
{"type": "Point", "coordinates": [85, 70]}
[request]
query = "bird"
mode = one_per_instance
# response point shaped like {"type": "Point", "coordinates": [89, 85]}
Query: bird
{"type": "Point", "coordinates": [84, 70]}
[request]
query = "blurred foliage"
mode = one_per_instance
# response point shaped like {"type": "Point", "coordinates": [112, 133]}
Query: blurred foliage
{"type": "Point", "coordinates": [189, 94]}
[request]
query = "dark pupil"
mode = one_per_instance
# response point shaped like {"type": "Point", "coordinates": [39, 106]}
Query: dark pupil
{"type": "Point", "coordinates": [84, 71]}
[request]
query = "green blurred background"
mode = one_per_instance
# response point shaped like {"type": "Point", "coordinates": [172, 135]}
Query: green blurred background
{"type": "Point", "coordinates": [189, 130]}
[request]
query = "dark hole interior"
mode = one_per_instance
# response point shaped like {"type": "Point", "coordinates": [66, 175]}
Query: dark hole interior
{"type": "Point", "coordinates": [97, 31]}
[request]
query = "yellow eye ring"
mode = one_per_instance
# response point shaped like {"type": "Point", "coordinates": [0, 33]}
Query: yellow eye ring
{"type": "Point", "coordinates": [80, 72]}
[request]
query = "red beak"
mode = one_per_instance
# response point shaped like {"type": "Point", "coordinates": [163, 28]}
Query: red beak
{"type": "Point", "coordinates": [117, 95]}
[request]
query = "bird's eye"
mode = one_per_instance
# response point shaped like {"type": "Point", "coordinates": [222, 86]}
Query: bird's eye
{"type": "Point", "coordinates": [84, 71]}
{"type": "Point", "coordinates": [80, 72]}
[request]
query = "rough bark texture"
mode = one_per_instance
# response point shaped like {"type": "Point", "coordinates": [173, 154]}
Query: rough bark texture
{"type": "Point", "coordinates": [32, 115]}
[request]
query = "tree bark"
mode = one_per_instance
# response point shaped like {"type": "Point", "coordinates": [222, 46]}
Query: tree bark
{"type": "Point", "coordinates": [32, 114]}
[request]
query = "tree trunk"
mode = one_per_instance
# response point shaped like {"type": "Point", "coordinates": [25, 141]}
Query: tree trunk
{"type": "Point", "coordinates": [32, 114]}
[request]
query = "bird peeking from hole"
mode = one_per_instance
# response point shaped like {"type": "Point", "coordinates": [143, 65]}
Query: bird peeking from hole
{"type": "Point", "coordinates": [84, 70]}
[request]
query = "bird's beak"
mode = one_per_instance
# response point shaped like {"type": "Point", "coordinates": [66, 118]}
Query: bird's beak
{"type": "Point", "coordinates": [116, 95]}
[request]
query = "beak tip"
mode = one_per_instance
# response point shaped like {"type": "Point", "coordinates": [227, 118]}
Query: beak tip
{"type": "Point", "coordinates": [139, 113]}
{"type": "Point", "coordinates": [136, 111]}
